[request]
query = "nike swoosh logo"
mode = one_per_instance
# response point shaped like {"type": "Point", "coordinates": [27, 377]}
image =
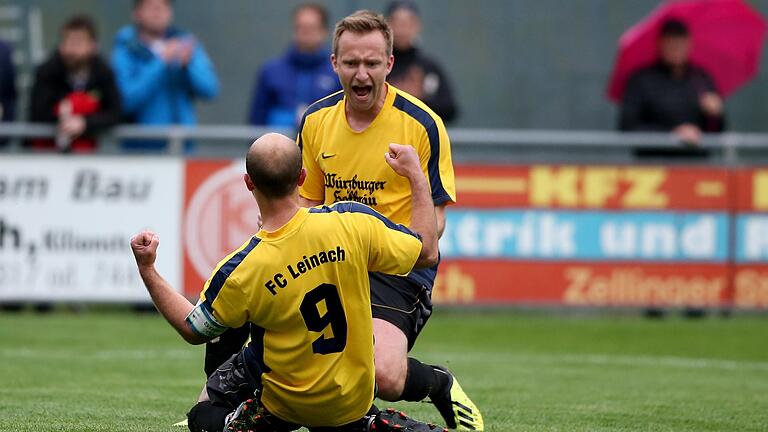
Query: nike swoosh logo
{"type": "Point", "coordinates": [326, 156]}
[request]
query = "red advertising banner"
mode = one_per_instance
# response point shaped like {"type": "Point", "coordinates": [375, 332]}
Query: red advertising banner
{"type": "Point", "coordinates": [219, 215]}
{"type": "Point", "coordinates": [750, 287]}
{"type": "Point", "coordinates": [650, 211]}
{"type": "Point", "coordinates": [593, 187]}
{"type": "Point", "coordinates": [751, 190]}
{"type": "Point", "coordinates": [582, 284]}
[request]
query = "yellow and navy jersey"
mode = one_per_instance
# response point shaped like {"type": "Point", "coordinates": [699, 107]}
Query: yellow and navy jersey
{"type": "Point", "coordinates": [305, 290]}
{"type": "Point", "coordinates": [345, 165]}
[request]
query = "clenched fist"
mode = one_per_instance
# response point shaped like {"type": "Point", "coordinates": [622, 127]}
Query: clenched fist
{"type": "Point", "coordinates": [404, 161]}
{"type": "Point", "coordinates": [144, 246]}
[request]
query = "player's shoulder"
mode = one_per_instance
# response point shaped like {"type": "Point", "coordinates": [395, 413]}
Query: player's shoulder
{"type": "Point", "coordinates": [416, 109]}
{"type": "Point", "coordinates": [344, 207]}
{"type": "Point", "coordinates": [232, 262]}
{"type": "Point", "coordinates": [355, 212]}
{"type": "Point", "coordinates": [323, 105]}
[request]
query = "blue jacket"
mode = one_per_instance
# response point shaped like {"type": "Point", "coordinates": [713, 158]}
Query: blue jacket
{"type": "Point", "coordinates": [288, 84]}
{"type": "Point", "coordinates": [154, 92]}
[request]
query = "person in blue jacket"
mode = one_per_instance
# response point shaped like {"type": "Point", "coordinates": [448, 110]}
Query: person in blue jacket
{"type": "Point", "coordinates": [160, 70]}
{"type": "Point", "coordinates": [287, 85]}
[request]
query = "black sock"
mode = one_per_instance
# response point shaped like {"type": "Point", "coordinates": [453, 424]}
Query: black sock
{"type": "Point", "coordinates": [206, 417]}
{"type": "Point", "coordinates": [423, 380]}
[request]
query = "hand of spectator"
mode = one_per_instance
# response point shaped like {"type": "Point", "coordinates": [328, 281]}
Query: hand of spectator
{"type": "Point", "coordinates": [688, 133]}
{"type": "Point", "coordinates": [412, 83]}
{"type": "Point", "coordinates": [170, 53]}
{"type": "Point", "coordinates": [72, 126]}
{"type": "Point", "coordinates": [184, 50]}
{"type": "Point", "coordinates": [711, 104]}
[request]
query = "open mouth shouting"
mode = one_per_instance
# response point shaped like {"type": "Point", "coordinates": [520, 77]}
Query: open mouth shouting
{"type": "Point", "coordinates": [362, 92]}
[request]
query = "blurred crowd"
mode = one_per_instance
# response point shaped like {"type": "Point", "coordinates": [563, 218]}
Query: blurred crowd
{"type": "Point", "coordinates": [157, 72]}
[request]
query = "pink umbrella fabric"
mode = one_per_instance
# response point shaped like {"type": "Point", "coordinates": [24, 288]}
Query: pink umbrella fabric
{"type": "Point", "coordinates": [726, 41]}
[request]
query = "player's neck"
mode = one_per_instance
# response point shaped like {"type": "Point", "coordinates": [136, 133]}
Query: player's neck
{"type": "Point", "coordinates": [276, 213]}
{"type": "Point", "coordinates": [360, 120]}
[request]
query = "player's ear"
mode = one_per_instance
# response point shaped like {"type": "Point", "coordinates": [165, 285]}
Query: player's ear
{"type": "Point", "coordinates": [248, 183]}
{"type": "Point", "coordinates": [302, 177]}
{"type": "Point", "coordinates": [334, 64]}
{"type": "Point", "coordinates": [390, 63]}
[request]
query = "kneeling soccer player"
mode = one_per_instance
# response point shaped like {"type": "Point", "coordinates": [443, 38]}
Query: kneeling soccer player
{"type": "Point", "coordinates": [302, 282]}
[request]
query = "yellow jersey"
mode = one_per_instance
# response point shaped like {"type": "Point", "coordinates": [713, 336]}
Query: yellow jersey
{"type": "Point", "coordinates": [305, 290]}
{"type": "Point", "coordinates": [345, 165]}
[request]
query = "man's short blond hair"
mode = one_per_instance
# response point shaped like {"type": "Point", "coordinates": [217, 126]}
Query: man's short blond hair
{"type": "Point", "coordinates": [363, 21]}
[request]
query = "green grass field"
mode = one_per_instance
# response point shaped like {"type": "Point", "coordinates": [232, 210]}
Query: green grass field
{"type": "Point", "coordinates": [527, 372]}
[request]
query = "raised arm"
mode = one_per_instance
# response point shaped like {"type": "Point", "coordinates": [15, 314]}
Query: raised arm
{"type": "Point", "coordinates": [171, 304]}
{"type": "Point", "coordinates": [405, 161]}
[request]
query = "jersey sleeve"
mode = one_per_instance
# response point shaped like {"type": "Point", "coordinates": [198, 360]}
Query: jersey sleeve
{"type": "Point", "coordinates": [435, 154]}
{"type": "Point", "coordinates": [223, 297]}
{"type": "Point", "coordinates": [392, 251]}
{"type": "Point", "coordinates": [223, 303]}
{"type": "Point", "coordinates": [314, 186]}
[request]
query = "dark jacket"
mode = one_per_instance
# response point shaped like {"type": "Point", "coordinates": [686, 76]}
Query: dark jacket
{"type": "Point", "coordinates": [7, 84]}
{"type": "Point", "coordinates": [654, 100]}
{"type": "Point", "coordinates": [287, 85]}
{"type": "Point", "coordinates": [52, 84]}
{"type": "Point", "coordinates": [438, 94]}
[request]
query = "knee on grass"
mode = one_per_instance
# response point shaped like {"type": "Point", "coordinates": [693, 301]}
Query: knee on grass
{"type": "Point", "coordinates": [206, 417]}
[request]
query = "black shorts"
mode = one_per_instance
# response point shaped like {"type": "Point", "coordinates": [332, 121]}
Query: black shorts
{"type": "Point", "coordinates": [236, 381]}
{"type": "Point", "coordinates": [225, 346]}
{"type": "Point", "coordinates": [402, 302]}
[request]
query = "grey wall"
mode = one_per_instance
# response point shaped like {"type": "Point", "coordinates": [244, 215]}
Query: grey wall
{"type": "Point", "coordinates": [514, 63]}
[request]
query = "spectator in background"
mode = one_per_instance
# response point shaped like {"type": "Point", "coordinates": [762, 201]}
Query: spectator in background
{"type": "Point", "coordinates": [7, 87]}
{"type": "Point", "coordinates": [287, 85]}
{"type": "Point", "coordinates": [160, 70]}
{"type": "Point", "coordinates": [414, 72]}
{"type": "Point", "coordinates": [672, 95]}
{"type": "Point", "coordinates": [75, 89]}
{"type": "Point", "coordinates": [7, 84]}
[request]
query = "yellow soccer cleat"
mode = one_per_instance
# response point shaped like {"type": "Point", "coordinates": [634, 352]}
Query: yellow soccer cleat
{"type": "Point", "coordinates": [457, 409]}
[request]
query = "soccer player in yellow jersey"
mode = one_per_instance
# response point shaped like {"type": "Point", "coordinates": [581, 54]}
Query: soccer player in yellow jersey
{"type": "Point", "coordinates": [341, 138]}
{"type": "Point", "coordinates": [302, 283]}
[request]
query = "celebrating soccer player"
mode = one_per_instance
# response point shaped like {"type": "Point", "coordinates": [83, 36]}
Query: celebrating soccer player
{"type": "Point", "coordinates": [342, 138]}
{"type": "Point", "coordinates": [302, 282]}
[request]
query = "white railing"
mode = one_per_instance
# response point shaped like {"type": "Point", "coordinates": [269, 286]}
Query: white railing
{"type": "Point", "coordinates": [463, 140]}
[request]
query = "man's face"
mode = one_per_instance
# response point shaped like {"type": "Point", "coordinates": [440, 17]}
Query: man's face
{"type": "Point", "coordinates": [406, 26]}
{"type": "Point", "coordinates": [77, 48]}
{"type": "Point", "coordinates": [362, 65]}
{"type": "Point", "coordinates": [674, 50]}
{"type": "Point", "coordinates": [308, 31]}
{"type": "Point", "coordinates": [154, 16]}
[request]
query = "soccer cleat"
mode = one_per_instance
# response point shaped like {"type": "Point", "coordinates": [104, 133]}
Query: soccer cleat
{"type": "Point", "coordinates": [392, 420]}
{"type": "Point", "coordinates": [457, 409]}
{"type": "Point", "coordinates": [249, 416]}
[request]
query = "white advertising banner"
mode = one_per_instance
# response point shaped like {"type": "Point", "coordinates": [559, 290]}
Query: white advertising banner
{"type": "Point", "coordinates": [66, 222]}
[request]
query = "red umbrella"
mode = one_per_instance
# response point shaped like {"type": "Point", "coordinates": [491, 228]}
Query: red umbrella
{"type": "Point", "coordinates": [726, 40]}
